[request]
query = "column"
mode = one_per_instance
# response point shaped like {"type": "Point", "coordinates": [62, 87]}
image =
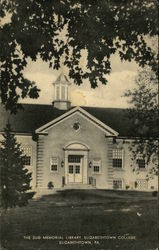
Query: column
{"type": "Point", "coordinates": [66, 167]}
{"type": "Point", "coordinates": [85, 168]}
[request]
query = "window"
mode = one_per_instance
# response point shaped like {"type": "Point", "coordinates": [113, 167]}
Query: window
{"type": "Point", "coordinates": [117, 184]}
{"type": "Point", "coordinates": [53, 167]}
{"type": "Point", "coordinates": [27, 154]}
{"type": "Point", "coordinates": [141, 184]}
{"type": "Point", "coordinates": [141, 162]}
{"type": "Point", "coordinates": [74, 158]}
{"type": "Point", "coordinates": [96, 169]}
{"type": "Point", "coordinates": [54, 164]}
{"type": "Point", "coordinates": [57, 93]}
{"type": "Point", "coordinates": [66, 93]}
{"type": "Point", "coordinates": [76, 126]}
{"type": "Point", "coordinates": [70, 170]}
{"type": "Point", "coordinates": [117, 158]}
{"type": "Point", "coordinates": [77, 169]}
{"type": "Point", "coordinates": [63, 93]}
{"type": "Point", "coordinates": [96, 166]}
{"type": "Point", "coordinates": [26, 160]}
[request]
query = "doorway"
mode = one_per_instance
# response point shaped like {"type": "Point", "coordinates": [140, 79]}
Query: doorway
{"type": "Point", "coordinates": [75, 168]}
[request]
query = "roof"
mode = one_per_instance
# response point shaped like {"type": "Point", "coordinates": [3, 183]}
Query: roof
{"type": "Point", "coordinates": [113, 117]}
{"type": "Point", "coordinates": [62, 79]}
{"type": "Point", "coordinates": [33, 116]}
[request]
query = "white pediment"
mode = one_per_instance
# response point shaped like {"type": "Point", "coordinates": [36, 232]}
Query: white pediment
{"type": "Point", "coordinates": [86, 115]}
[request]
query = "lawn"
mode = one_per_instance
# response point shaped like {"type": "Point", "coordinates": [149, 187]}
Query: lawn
{"type": "Point", "coordinates": [83, 219]}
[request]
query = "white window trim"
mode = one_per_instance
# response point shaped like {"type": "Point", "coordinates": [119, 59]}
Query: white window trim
{"type": "Point", "coordinates": [97, 162]}
{"type": "Point", "coordinates": [122, 183]}
{"type": "Point", "coordinates": [53, 171]}
{"type": "Point", "coordinates": [117, 168]}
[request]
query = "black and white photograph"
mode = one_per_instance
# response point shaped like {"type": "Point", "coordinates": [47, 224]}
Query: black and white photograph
{"type": "Point", "coordinates": [79, 125]}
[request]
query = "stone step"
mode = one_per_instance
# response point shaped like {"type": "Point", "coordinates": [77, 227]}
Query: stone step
{"type": "Point", "coordinates": [78, 186]}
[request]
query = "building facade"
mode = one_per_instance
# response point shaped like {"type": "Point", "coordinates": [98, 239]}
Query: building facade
{"type": "Point", "coordinates": [77, 147]}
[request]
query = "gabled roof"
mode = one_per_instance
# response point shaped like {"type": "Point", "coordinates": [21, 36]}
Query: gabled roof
{"type": "Point", "coordinates": [109, 131]}
{"type": "Point", "coordinates": [34, 116]}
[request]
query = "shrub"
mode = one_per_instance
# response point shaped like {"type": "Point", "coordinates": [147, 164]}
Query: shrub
{"type": "Point", "coordinates": [154, 193]}
{"type": "Point", "coordinates": [50, 185]}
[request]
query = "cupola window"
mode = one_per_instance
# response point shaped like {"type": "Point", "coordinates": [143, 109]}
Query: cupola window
{"type": "Point", "coordinates": [63, 93]}
{"type": "Point", "coordinates": [57, 92]}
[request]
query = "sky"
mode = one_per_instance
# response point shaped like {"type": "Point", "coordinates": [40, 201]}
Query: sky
{"type": "Point", "coordinates": [120, 79]}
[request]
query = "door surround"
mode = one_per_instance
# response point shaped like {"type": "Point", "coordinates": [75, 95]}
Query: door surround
{"type": "Point", "coordinates": [81, 149]}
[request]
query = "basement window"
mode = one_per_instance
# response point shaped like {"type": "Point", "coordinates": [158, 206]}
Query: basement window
{"type": "Point", "coordinates": [117, 184]}
{"type": "Point", "coordinates": [141, 184]}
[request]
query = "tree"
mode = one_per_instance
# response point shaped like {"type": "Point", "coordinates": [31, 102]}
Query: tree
{"type": "Point", "coordinates": [15, 178]}
{"type": "Point", "coordinates": [144, 116]}
{"type": "Point", "coordinates": [66, 28]}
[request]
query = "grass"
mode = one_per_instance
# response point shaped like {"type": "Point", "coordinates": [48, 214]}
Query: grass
{"type": "Point", "coordinates": [83, 213]}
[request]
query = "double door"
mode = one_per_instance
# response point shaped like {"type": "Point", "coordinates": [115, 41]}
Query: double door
{"type": "Point", "coordinates": [75, 168]}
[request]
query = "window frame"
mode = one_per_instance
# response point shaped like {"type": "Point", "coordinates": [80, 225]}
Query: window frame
{"type": "Point", "coordinates": [140, 157]}
{"type": "Point", "coordinates": [57, 92]}
{"type": "Point", "coordinates": [72, 169]}
{"type": "Point", "coordinates": [25, 159]}
{"type": "Point", "coordinates": [122, 183]}
{"type": "Point", "coordinates": [122, 158]}
{"type": "Point", "coordinates": [63, 93]}
{"type": "Point", "coordinates": [97, 163]}
{"type": "Point", "coordinates": [51, 163]}
{"type": "Point", "coordinates": [142, 180]}
{"type": "Point", "coordinates": [27, 151]}
{"type": "Point", "coordinates": [77, 169]}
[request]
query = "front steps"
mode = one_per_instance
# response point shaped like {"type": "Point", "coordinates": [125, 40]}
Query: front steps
{"type": "Point", "coordinates": [78, 186]}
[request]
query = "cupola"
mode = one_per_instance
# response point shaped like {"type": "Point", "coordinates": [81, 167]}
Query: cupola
{"type": "Point", "coordinates": [61, 92]}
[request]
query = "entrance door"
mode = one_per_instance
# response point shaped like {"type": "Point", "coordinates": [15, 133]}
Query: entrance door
{"type": "Point", "coordinates": [75, 168]}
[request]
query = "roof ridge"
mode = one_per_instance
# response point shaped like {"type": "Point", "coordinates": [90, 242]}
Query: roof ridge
{"type": "Point", "coordinates": [43, 104]}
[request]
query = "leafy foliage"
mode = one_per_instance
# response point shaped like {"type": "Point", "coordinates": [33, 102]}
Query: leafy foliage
{"type": "Point", "coordinates": [15, 178]}
{"type": "Point", "coordinates": [144, 116]}
{"type": "Point", "coordinates": [58, 29]}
